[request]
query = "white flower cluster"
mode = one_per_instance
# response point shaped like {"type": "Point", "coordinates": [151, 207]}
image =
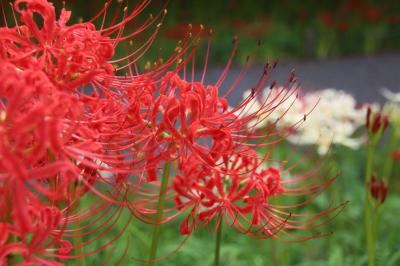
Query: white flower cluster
{"type": "Point", "coordinates": [330, 116]}
{"type": "Point", "coordinates": [334, 120]}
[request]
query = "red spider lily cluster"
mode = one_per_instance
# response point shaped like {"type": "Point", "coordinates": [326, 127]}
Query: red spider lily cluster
{"type": "Point", "coordinates": [71, 127]}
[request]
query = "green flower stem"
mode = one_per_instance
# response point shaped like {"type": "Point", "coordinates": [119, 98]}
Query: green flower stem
{"type": "Point", "coordinates": [370, 162]}
{"type": "Point", "coordinates": [160, 208]}
{"type": "Point", "coordinates": [78, 242]}
{"type": "Point", "coordinates": [217, 260]}
{"type": "Point", "coordinates": [274, 252]}
{"type": "Point", "coordinates": [368, 215]}
{"type": "Point", "coordinates": [388, 164]}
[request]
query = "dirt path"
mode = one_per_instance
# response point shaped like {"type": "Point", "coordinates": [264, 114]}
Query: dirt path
{"type": "Point", "coordinates": [361, 76]}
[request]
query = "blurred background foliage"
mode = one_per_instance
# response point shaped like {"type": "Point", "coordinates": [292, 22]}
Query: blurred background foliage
{"type": "Point", "coordinates": [342, 245]}
{"type": "Point", "coordinates": [286, 29]}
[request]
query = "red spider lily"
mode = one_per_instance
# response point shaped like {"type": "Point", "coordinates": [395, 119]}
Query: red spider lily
{"type": "Point", "coordinates": [35, 172]}
{"type": "Point", "coordinates": [52, 134]}
{"type": "Point", "coordinates": [39, 239]}
{"type": "Point", "coordinates": [241, 193]}
{"type": "Point", "coordinates": [235, 188]}
{"type": "Point", "coordinates": [77, 55]}
{"type": "Point", "coordinates": [327, 19]}
{"type": "Point", "coordinates": [372, 13]}
{"type": "Point", "coordinates": [33, 130]}
{"type": "Point", "coordinates": [69, 55]}
{"type": "Point", "coordinates": [58, 143]}
{"type": "Point", "coordinates": [219, 175]}
{"type": "Point", "coordinates": [180, 118]}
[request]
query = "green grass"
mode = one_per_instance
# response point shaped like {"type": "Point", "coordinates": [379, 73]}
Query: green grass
{"type": "Point", "coordinates": [344, 247]}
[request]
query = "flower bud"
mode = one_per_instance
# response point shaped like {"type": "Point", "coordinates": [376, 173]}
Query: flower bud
{"type": "Point", "coordinates": [377, 122]}
{"type": "Point", "coordinates": [396, 155]}
{"type": "Point", "coordinates": [378, 189]}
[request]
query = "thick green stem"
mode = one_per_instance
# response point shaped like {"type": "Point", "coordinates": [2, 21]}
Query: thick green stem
{"type": "Point", "coordinates": [370, 163]}
{"type": "Point", "coordinates": [160, 209]}
{"type": "Point", "coordinates": [217, 261]}
{"type": "Point", "coordinates": [368, 215]}
{"type": "Point", "coordinates": [369, 226]}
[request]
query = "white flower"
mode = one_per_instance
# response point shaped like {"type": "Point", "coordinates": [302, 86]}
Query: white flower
{"type": "Point", "coordinates": [334, 120]}
{"type": "Point", "coordinates": [332, 116]}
